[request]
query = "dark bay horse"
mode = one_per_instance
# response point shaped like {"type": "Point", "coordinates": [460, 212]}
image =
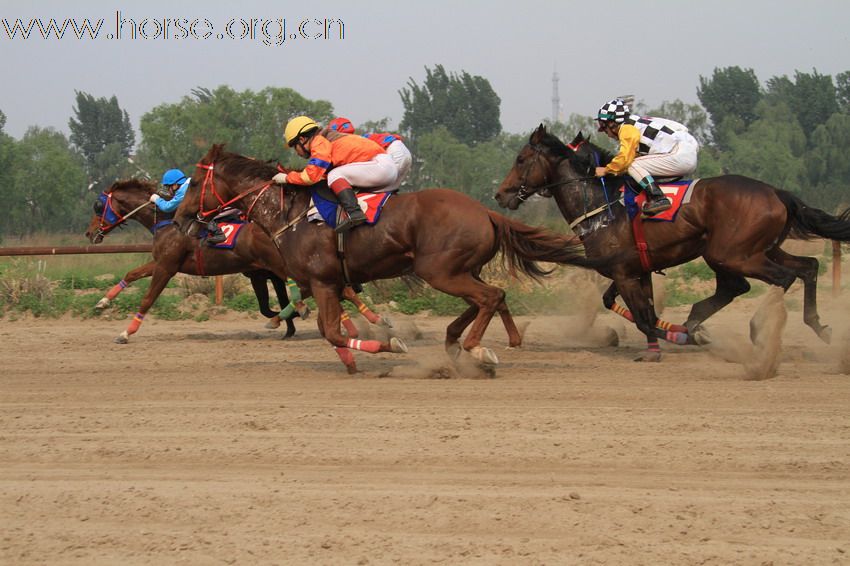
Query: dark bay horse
{"type": "Point", "coordinates": [736, 224]}
{"type": "Point", "coordinates": [175, 252]}
{"type": "Point", "coordinates": [442, 236]}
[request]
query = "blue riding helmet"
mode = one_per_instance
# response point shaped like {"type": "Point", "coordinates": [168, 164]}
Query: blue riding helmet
{"type": "Point", "coordinates": [173, 177]}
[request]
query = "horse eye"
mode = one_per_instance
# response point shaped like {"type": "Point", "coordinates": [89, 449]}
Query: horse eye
{"type": "Point", "coordinates": [98, 207]}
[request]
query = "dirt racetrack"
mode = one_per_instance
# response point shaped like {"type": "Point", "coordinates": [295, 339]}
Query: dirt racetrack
{"type": "Point", "coordinates": [215, 442]}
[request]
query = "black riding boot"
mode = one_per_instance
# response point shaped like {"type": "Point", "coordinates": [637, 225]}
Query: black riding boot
{"type": "Point", "coordinates": [214, 233]}
{"type": "Point", "coordinates": [656, 201]}
{"type": "Point", "coordinates": [353, 214]}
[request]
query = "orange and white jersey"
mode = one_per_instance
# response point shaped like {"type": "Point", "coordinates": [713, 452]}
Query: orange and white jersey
{"type": "Point", "coordinates": [324, 154]}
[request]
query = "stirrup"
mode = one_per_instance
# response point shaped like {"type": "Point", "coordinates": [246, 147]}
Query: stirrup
{"type": "Point", "coordinates": [348, 223]}
{"type": "Point", "coordinates": [656, 207]}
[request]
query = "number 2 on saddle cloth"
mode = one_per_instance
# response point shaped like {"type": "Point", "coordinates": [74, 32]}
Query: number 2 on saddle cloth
{"type": "Point", "coordinates": [328, 208]}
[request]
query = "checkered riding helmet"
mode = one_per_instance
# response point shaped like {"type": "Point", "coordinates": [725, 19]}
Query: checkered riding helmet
{"type": "Point", "coordinates": [613, 111]}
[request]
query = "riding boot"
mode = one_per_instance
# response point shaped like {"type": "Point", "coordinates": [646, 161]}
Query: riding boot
{"type": "Point", "coordinates": [656, 201]}
{"type": "Point", "coordinates": [353, 214]}
{"type": "Point", "coordinates": [214, 233]}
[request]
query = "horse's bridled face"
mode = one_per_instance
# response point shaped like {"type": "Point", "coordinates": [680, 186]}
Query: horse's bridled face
{"type": "Point", "coordinates": [527, 172]}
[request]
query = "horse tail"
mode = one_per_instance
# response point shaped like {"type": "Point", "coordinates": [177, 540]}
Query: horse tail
{"type": "Point", "coordinates": [522, 246]}
{"type": "Point", "coordinates": [805, 222]}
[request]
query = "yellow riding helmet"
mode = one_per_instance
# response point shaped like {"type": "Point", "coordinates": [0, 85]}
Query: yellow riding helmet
{"type": "Point", "coordinates": [298, 126]}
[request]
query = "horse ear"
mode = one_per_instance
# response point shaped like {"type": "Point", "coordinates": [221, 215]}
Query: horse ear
{"type": "Point", "coordinates": [578, 139]}
{"type": "Point", "coordinates": [538, 134]}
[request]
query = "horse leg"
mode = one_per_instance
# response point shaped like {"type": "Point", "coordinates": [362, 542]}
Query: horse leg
{"type": "Point", "coordinates": [637, 293]}
{"type": "Point", "coordinates": [514, 337]}
{"type": "Point", "coordinates": [330, 311]}
{"type": "Point", "coordinates": [374, 318]}
{"type": "Point", "coordinates": [806, 268]}
{"type": "Point", "coordinates": [161, 277]}
{"type": "Point", "coordinates": [140, 272]}
{"type": "Point", "coordinates": [728, 286]}
{"type": "Point", "coordinates": [282, 299]}
{"type": "Point", "coordinates": [668, 331]}
{"type": "Point", "coordinates": [484, 300]}
{"type": "Point", "coordinates": [455, 329]}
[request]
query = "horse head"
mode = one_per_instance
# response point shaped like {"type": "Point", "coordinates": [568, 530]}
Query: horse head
{"type": "Point", "coordinates": [113, 204]}
{"type": "Point", "coordinates": [535, 167]}
{"type": "Point", "coordinates": [545, 163]}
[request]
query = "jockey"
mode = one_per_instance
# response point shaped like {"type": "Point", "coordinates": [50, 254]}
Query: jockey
{"type": "Point", "coordinates": [648, 146]}
{"type": "Point", "coordinates": [352, 160]}
{"type": "Point", "coordinates": [175, 183]}
{"type": "Point", "coordinates": [392, 143]}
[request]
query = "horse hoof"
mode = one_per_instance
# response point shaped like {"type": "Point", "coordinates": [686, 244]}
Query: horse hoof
{"type": "Point", "coordinates": [352, 369]}
{"type": "Point", "coordinates": [304, 313]}
{"type": "Point", "coordinates": [102, 304]}
{"type": "Point", "coordinates": [397, 345]}
{"type": "Point", "coordinates": [649, 357]}
{"type": "Point", "coordinates": [825, 334]}
{"type": "Point", "coordinates": [700, 337]}
{"type": "Point", "coordinates": [453, 350]}
{"type": "Point", "coordinates": [385, 321]}
{"type": "Point", "coordinates": [273, 323]}
{"type": "Point", "coordinates": [122, 338]}
{"type": "Point", "coordinates": [484, 355]}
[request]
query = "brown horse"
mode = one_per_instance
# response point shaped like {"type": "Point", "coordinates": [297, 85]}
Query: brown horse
{"type": "Point", "coordinates": [174, 252]}
{"type": "Point", "coordinates": [735, 223]}
{"type": "Point", "coordinates": [442, 236]}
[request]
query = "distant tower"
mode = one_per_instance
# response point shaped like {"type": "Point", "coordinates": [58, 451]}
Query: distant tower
{"type": "Point", "coordinates": [556, 100]}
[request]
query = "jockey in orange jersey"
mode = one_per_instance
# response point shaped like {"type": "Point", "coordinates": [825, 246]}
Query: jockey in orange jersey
{"type": "Point", "coordinates": [392, 143]}
{"type": "Point", "coordinates": [352, 160]}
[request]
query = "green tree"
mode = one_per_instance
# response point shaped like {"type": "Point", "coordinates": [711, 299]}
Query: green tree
{"type": "Point", "coordinates": [729, 92]}
{"type": "Point", "coordinates": [770, 150]}
{"type": "Point", "coordinates": [251, 123]}
{"type": "Point", "coordinates": [828, 166]}
{"type": "Point", "coordinates": [7, 154]}
{"type": "Point", "coordinates": [48, 187]}
{"type": "Point", "coordinates": [102, 132]}
{"type": "Point", "coordinates": [691, 115]}
{"type": "Point", "coordinates": [445, 161]}
{"type": "Point", "coordinates": [842, 88]}
{"type": "Point", "coordinates": [811, 97]}
{"type": "Point", "coordinates": [466, 105]}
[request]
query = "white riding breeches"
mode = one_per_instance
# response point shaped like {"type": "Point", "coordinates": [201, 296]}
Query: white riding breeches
{"type": "Point", "coordinates": [379, 173]}
{"type": "Point", "coordinates": [679, 162]}
{"type": "Point", "coordinates": [402, 159]}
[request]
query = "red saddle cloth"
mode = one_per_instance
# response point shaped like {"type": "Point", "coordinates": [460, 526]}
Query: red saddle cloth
{"type": "Point", "coordinates": [675, 192]}
{"type": "Point", "coordinates": [231, 231]}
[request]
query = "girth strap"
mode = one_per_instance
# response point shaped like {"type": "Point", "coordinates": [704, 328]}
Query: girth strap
{"type": "Point", "coordinates": [640, 243]}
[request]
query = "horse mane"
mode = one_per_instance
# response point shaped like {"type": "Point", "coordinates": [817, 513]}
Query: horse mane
{"type": "Point", "coordinates": [238, 165]}
{"type": "Point", "coordinates": [132, 183]}
{"type": "Point", "coordinates": [581, 162]}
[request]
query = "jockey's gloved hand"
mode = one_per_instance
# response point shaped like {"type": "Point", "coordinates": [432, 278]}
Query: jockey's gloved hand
{"type": "Point", "coordinates": [280, 178]}
{"type": "Point", "coordinates": [154, 198]}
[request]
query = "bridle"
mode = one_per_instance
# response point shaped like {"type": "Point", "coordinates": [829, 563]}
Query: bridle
{"type": "Point", "coordinates": [110, 219]}
{"type": "Point", "coordinates": [260, 189]}
{"type": "Point", "coordinates": [524, 191]}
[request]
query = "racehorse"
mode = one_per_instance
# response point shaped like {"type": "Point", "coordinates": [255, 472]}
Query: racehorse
{"type": "Point", "coordinates": [736, 224]}
{"type": "Point", "coordinates": [441, 236]}
{"type": "Point", "coordinates": [174, 252]}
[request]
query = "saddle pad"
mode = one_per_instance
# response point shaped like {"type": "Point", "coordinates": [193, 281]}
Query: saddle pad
{"type": "Point", "coordinates": [370, 203]}
{"type": "Point", "coordinates": [231, 230]}
{"type": "Point", "coordinates": [679, 193]}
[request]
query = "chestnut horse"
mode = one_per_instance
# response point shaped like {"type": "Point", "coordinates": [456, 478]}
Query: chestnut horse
{"type": "Point", "coordinates": [734, 223]}
{"type": "Point", "coordinates": [174, 252]}
{"type": "Point", "coordinates": [442, 236]}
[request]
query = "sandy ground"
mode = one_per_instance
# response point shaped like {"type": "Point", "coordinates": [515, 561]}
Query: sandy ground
{"type": "Point", "coordinates": [216, 442]}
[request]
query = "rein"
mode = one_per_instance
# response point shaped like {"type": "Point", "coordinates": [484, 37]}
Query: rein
{"type": "Point", "coordinates": [262, 188]}
{"type": "Point", "coordinates": [209, 181]}
{"type": "Point", "coordinates": [105, 228]}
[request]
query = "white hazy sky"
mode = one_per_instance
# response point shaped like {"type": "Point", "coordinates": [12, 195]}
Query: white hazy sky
{"type": "Point", "coordinates": [655, 49]}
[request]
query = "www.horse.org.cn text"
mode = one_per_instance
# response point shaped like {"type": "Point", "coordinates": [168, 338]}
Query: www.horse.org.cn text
{"type": "Point", "coordinates": [268, 31]}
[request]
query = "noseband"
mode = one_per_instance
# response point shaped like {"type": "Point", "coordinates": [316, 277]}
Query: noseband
{"type": "Point", "coordinates": [524, 191]}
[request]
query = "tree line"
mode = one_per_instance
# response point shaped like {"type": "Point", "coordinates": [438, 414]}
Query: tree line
{"type": "Point", "coordinates": [787, 131]}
